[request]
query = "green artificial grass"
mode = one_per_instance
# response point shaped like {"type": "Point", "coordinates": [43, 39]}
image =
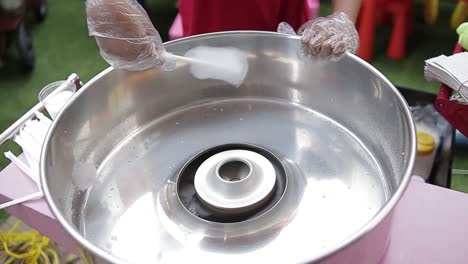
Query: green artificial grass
{"type": "Point", "coordinates": [3, 216]}
{"type": "Point", "coordinates": [459, 182]}
{"type": "Point", "coordinates": [63, 46]}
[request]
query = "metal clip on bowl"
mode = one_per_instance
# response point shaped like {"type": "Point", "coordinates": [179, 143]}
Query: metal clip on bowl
{"type": "Point", "coordinates": [29, 132]}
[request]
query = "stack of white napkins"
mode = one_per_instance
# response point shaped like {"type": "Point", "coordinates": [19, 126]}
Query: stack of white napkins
{"type": "Point", "coordinates": [30, 138]}
{"type": "Point", "coordinates": [449, 70]}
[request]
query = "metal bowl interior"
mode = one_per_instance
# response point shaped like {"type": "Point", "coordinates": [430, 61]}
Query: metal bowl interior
{"type": "Point", "coordinates": [341, 130]}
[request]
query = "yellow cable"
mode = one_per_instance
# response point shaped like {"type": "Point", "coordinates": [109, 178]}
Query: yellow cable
{"type": "Point", "coordinates": [54, 256]}
{"type": "Point", "coordinates": [45, 258]}
{"type": "Point", "coordinates": [31, 248]}
{"type": "Point", "coordinates": [9, 260]}
{"type": "Point", "coordinates": [86, 257]}
{"type": "Point", "coordinates": [11, 237]}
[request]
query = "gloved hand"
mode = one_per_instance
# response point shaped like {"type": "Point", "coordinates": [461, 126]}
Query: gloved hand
{"type": "Point", "coordinates": [326, 37]}
{"type": "Point", "coordinates": [125, 35]}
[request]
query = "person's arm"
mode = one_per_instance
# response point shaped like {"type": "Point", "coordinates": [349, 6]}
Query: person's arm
{"type": "Point", "coordinates": [331, 36]}
{"type": "Point", "coordinates": [125, 35]}
{"type": "Point", "coordinates": [349, 7]}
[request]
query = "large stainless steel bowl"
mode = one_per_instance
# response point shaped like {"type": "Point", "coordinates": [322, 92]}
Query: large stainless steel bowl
{"type": "Point", "coordinates": [118, 160]}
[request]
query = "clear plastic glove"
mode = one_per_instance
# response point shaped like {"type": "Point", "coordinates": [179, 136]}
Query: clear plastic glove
{"type": "Point", "coordinates": [326, 37]}
{"type": "Point", "coordinates": [125, 35]}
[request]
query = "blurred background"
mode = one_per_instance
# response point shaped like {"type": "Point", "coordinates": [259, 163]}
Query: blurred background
{"type": "Point", "coordinates": [53, 42]}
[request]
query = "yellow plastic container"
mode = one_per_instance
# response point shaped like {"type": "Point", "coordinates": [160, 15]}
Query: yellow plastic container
{"type": "Point", "coordinates": [426, 143]}
{"type": "Point", "coordinates": [425, 154]}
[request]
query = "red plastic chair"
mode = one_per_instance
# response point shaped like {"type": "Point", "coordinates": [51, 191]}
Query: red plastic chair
{"type": "Point", "coordinates": [374, 12]}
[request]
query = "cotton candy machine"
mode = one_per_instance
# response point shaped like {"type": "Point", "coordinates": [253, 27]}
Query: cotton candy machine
{"type": "Point", "coordinates": [301, 162]}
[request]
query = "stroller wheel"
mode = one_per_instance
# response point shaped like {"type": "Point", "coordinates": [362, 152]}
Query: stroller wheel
{"type": "Point", "coordinates": [25, 48]}
{"type": "Point", "coordinates": [41, 11]}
